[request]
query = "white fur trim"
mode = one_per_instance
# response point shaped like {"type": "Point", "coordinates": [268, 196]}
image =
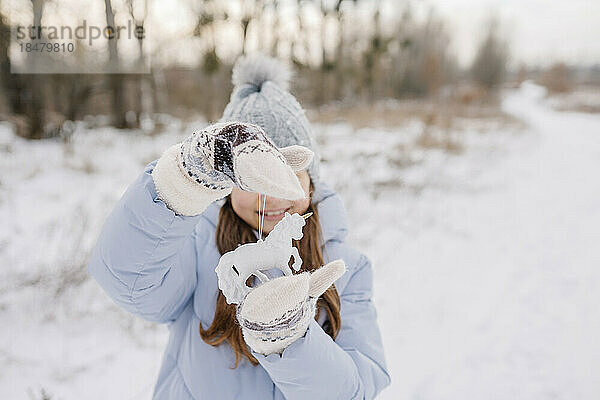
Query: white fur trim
{"type": "Point", "coordinates": [179, 192]}
{"type": "Point", "coordinates": [257, 69]}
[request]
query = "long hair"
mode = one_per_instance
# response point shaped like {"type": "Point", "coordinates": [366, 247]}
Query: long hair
{"type": "Point", "coordinates": [233, 231]}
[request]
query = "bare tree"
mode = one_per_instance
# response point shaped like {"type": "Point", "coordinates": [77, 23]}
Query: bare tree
{"type": "Point", "coordinates": [207, 15]}
{"type": "Point", "coordinates": [250, 11]}
{"type": "Point", "coordinates": [490, 63]}
{"type": "Point", "coordinates": [340, 52]}
{"type": "Point", "coordinates": [209, 12]}
{"type": "Point", "coordinates": [35, 107]}
{"type": "Point", "coordinates": [300, 44]}
{"type": "Point", "coordinates": [421, 61]}
{"type": "Point", "coordinates": [143, 100]}
{"type": "Point", "coordinates": [11, 85]}
{"type": "Point", "coordinates": [275, 28]}
{"type": "Point", "coordinates": [377, 47]}
{"type": "Point", "coordinates": [329, 14]}
{"type": "Point", "coordinates": [115, 80]}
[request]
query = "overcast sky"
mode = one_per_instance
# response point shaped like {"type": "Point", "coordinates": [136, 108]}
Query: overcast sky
{"type": "Point", "coordinates": [540, 31]}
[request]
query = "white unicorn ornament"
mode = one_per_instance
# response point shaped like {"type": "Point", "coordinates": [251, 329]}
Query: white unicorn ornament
{"type": "Point", "coordinates": [236, 266]}
{"type": "Point", "coordinates": [278, 311]}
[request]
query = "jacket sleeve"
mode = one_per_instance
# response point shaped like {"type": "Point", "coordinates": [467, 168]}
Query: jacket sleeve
{"type": "Point", "coordinates": [350, 368]}
{"type": "Point", "coordinates": [145, 256]}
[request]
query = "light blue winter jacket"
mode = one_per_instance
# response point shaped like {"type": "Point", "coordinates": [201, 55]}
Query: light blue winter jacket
{"type": "Point", "coordinates": [160, 266]}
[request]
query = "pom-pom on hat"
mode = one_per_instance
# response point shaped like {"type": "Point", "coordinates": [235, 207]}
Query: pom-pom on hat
{"type": "Point", "coordinates": [256, 70]}
{"type": "Point", "coordinates": [260, 96]}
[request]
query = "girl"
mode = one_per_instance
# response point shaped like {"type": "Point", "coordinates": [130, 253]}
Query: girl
{"type": "Point", "coordinates": [157, 253]}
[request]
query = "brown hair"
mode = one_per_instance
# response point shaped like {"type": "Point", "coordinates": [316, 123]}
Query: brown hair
{"type": "Point", "coordinates": [233, 231]}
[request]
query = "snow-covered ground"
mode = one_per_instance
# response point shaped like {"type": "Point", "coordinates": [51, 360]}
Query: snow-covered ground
{"type": "Point", "coordinates": [486, 260]}
{"type": "Point", "coordinates": [488, 281]}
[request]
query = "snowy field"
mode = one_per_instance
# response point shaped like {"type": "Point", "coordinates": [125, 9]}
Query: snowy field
{"type": "Point", "coordinates": [487, 262]}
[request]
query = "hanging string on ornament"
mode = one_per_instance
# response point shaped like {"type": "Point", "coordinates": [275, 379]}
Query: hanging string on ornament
{"type": "Point", "coordinates": [261, 215]}
{"type": "Point", "coordinates": [264, 212]}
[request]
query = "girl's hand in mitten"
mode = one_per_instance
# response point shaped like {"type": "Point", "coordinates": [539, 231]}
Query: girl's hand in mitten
{"type": "Point", "coordinates": [277, 313]}
{"type": "Point", "coordinates": [208, 164]}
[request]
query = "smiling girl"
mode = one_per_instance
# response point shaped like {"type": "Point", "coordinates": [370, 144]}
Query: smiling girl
{"type": "Point", "coordinates": [157, 253]}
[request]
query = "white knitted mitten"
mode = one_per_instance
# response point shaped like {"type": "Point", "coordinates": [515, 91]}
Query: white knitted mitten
{"type": "Point", "coordinates": [208, 164]}
{"type": "Point", "coordinates": [277, 313]}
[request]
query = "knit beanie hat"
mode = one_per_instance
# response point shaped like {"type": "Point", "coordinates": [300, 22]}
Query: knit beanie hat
{"type": "Point", "coordinates": [260, 96]}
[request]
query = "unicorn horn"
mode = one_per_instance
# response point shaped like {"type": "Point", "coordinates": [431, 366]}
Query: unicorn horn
{"type": "Point", "coordinates": [305, 216]}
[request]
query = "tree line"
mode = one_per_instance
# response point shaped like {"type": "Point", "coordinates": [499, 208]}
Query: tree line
{"type": "Point", "coordinates": [341, 50]}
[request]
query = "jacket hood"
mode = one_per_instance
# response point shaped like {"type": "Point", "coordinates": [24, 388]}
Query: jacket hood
{"type": "Point", "coordinates": [332, 213]}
